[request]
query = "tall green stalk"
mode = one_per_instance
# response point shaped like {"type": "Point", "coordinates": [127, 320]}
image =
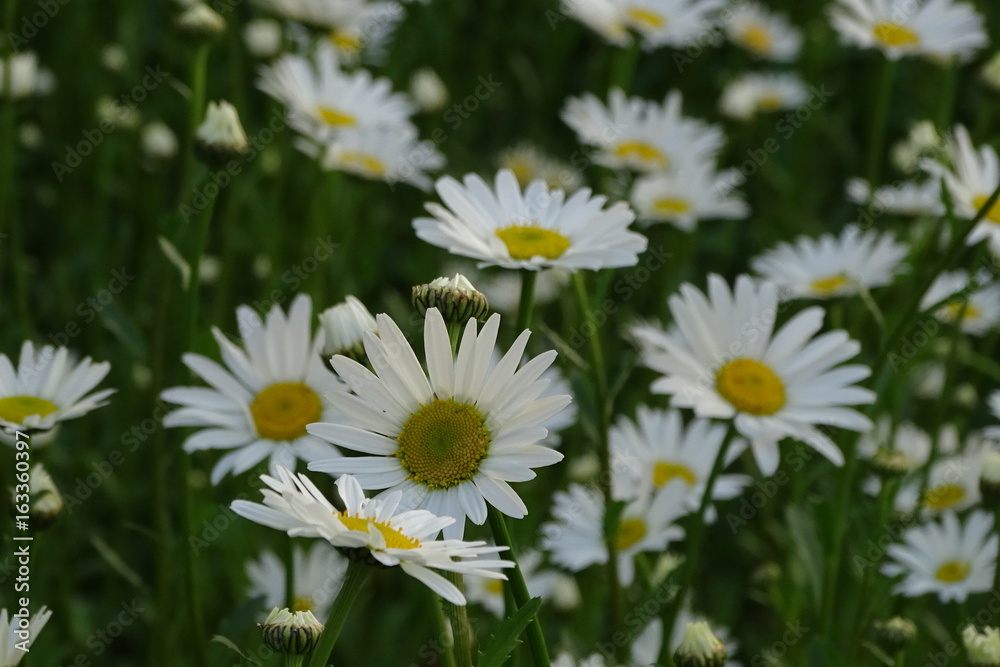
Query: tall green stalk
{"type": "Point", "coordinates": [880, 118]}
{"type": "Point", "coordinates": [354, 581]}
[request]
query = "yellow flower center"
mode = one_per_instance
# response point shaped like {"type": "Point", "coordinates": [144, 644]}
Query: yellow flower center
{"type": "Point", "coordinates": [643, 152]}
{"type": "Point", "coordinates": [335, 117]}
{"type": "Point", "coordinates": [665, 472]}
{"type": "Point", "coordinates": [394, 539]}
{"type": "Point", "coordinates": [303, 603]}
{"type": "Point", "coordinates": [363, 163]}
{"type": "Point", "coordinates": [281, 411]}
{"type": "Point", "coordinates": [671, 206]}
{"type": "Point", "coordinates": [993, 215]}
{"type": "Point", "coordinates": [16, 408]}
{"type": "Point", "coordinates": [443, 443]}
{"type": "Point", "coordinates": [953, 571]}
{"type": "Point", "coordinates": [967, 311]}
{"type": "Point", "coordinates": [347, 42]}
{"type": "Point", "coordinates": [888, 33]}
{"type": "Point", "coordinates": [630, 531]}
{"type": "Point", "coordinates": [770, 102]}
{"type": "Point", "coordinates": [830, 285]}
{"type": "Point", "coordinates": [758, 39]}
{"type": "Point", "coordinates": [527, 241]}
{"type": "Point", "coordinates": [751, 386]}
{"type": "Point", "coordinates": [522, 170]}
{"type": "Point", "coordinates": [645, 18]}
{"type": "Point", "coordinates": [944, 497]}
{"type": "Point", "coordinates": [494, 586]}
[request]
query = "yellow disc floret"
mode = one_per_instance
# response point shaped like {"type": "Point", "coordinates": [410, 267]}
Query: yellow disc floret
{"type": "Point", "coordinates": [993, 215]}
{"type": "Point", "coordinates": [394, 539]}
{"type": "Point", "coordinates": [888, 33]}
{"type": "Point", "coordinates": [642, 152]}
{"type": "Point", "coordinates": [16, 409]}
{"type": "Point", "coordinates": [527, 241]}
{"type": "Point", "coordinates": [442, 444]}
{"type": "Point", "coordinates": [751, 386]}
{"type": "Point", "coordinates": [282, 411]}
{"type": "Point", "coordinates": [953, 572]}
{"type": "Point", "coordinates": [944, 497]}
{"type": "Point", "coordinates": [665, 472]}
{"type": "Point", "coordinates": [336, 117]}
{"type": "Point", "coordinates": [630, 531]}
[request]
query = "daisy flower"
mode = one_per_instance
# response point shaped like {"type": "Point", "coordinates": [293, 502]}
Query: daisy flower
{"type": "Point", "coordinates": [832, 266]}
{"type": "Point", "coordinates": [977, 305]}
{"type": "Point", "coordinates": [658, 449]}
{"type": "Point", "coordinates": [575, 539]}
{"type": "Point", "coordinates": [45, 389]}
{"type": "Point", "coordinates": [451, 439]}
{"type": "Point", "coordinates": [763, 33]}
{"type": "Point", "coordinates": [936, 28]}
{"type": "Point", "coordinates": [641, 647]}
{"type": "Point", "coordinates": [27, 78]}
{"type": "Point", "coordinates": [372, 528]}
{"type": "Point", "coordinates": [389, 154]}
{"type": "Point", "coordinates": [902, 198]}
{"type": "Point", "coordinates": [946, 558]}
{"type": "Point", "coordinates": [952, 484]}
{"type": "Point", "coordinates": [755, 93]}
{"type": "Point", "coordinates": [971, 180]}
{"type": "Point", "coordinates": [689, 194]}
{"type": "Point", "coordinates": [258, 405]}
{"type": "Point", "coordinates": [344, 326]}
{"type": "Point", "coordinates": [534, 229]}
{"type": "Point", "coordinates": [490, 592]}
{"type": "Point", "coordinates": [602, 16]}
{"type": "Point", "coordinates": [674, 23]}
{"type": "Point", "coordinates": [640, 135]}
{"type": "Point", "coordinates": [529, 164]}
{"type": "Point", "coordinates": [723, 359]}
{"type": "Point", "coordinates": [319, 574]}
{"type": "Point", "coordinates": [366, 33]}
{"type": "Point", "coordinates": [10, 654]}
{"type": "Point", "coordinates": [905, 449]}
{"type": "Point", "coordinates": [323, 100]}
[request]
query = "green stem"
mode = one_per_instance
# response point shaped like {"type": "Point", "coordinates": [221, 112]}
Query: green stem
{"type": "Point", "coordinates": [880, 117]}
{"type": "Point", "coordinates": [354, 581]}
{"type": "Point", "coordinates": [623, 62]}
{"type": "Point", "coordinates": [693, 552]}
{"type": "Point", "coordinates": [603, 410]}
{"type": "Point", "coordinates": [445, 634]}
{"type": "Point", "coordinates": [536, 640]}
{"type": "Point", "coordinates": [199, 70]}
{"type": "Point", "coordinates": [461, 631]}
{"type": "Point", "coordinates": [526, 304]}
{"type": "Point", "coordinates": [946, 94]}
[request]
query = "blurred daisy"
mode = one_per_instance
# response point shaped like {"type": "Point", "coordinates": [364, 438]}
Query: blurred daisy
{"type": "Point", "coordinates": [372, 527]}
{"type": "Point", "coordinates": [451, 439]}
{"type": "Point", "coordinates": [978, 306]}
{"type": "Point", "coordinates": [653, 636]}
{"type": "Point", "coordinates": [658, 449]}
{"type": "Point", "coordinates": [755, 93]}
{"type": "Point", "coordinates": [575, 538]}
{"type": "Point", "coordinates": [380, 154]}
{"type": "Point", "coordinates": [723, 359]}
{"type": "Point", "coordinates": [640, 135]}
{"type": "Point", "coordinates": [344, 326]}
{"type": "Point", "coordinates": [763, 33]}
{"type": "Point", "coordinates": [602, 16]}
{"type": "Point", "coordinates": [901, 198]}
{"type": "Point", "coordinates": [971, 180]}
{"type": "Point", "coordinates": [428, 90]}
{"type": "Point", "coordinates": [365, 34]}
{"type": "Point", "coordinates": [26, 76]}
{"type": "Point", "coordinates": [905, 448]}
{"type": "Point", "coordinates": [946, 558]}
{"type": "Point", "coordinates": [529, 164]}
{"type": "Point", "coordinates": [832, 266]}
{"type": "Point", "coordinates": [490, 594]}
{"type": "Point", "coordinates": [674, 23]}
{"type": "Point", "coordinates": [10, 653]}
{"type": "Point", "coordinates": [922, 141]}
{"type": "Point", "coordinates": [689, 194]}
{"type": "Point", "coordinates": [258, 405]}
{"type": "Point", "coordinates": [952, 483]}
{"type": "Point", "coordinates": [503, 288]}
{"type": "Point", "coordinates": [319, 574]}
{"type": "Point", "coordinates": [323, 100]}
{"type": "Point", "coordinates": [263, 38]}
{"type": "Point", "coordinates": [936, 28]}
{"type": "Point", "coordinates": [47, 388]}
{"type": "Point", "coordinates": [533, 230]}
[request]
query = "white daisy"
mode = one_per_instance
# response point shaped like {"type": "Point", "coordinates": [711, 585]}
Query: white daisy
{"type": "Point", "coordinates": [936, 28]}
{"type": "Point", "coordinates": [575, 538]}
{"type": "Point", "coordinates": [901, 198]}
{"type": "Point", "coordinates": [490, 592]}
{"type": "Point", "coordinates": [657, 449]}
{"type": "Point", "coordinates": [763, 33]}
{"type": "Point", "coordinates": [952, 483]}
{"type": "Point", "coordinates": [971, 180]}
{"type": "Point", "coordinates": [321, 14]}
{"type": "Point", "coordinates": [674, 23]}
{"type": "Point", "coordinates": [689, 194]}
{"type": "Point", "coordinates": [450, 439]}
{"type": "Point", "coordinates": [978, 305]}
{"type": "Point", "coordinates": [724, 360]}
{"type": "Point", "coordinates": [10, 654]}
{"type": "Point", "coordinates": [534, 230]}
{"type": "Point", "coordinates": [365, 34]}
{"type": "Point", "coordinates": [372, 527]}
{"type": "Point", "coordinates": [945, 558]}
{"type": "Point", "coordinates": [258, 405]}
{"type": "Point", "coordinates": [906, 448]}
{"type": "Point", "coordinates": [640, 135]}
{"type": "Point", "coordinates": [389, 154]}
{"type": "Point", "coordinates": [832, 266]}
{"type": "Point", "coordinates": [323, 100]}
{"type": "Point", "coordinates": [27, 77]}
{"type": "Point", "coordinates": [47, 388]}
{"type": "Point", "coordinates": [530, 164]}
{"type": "Point", "coordinates": [755, 93]}
{"type": "Point", "coordinates": [344, 326]}
{"type": "Point", "coordinates": [319, 574]}
{"type": "Point", "coordinates": [602, 16]}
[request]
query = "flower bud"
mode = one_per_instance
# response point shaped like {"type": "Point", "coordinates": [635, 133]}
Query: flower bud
{"type": "Point", "coordinates": [456, 298]}
{"type": "Point", "coordinates": [291, 633]}
{"type": "Point", "coordinates": [201, 23]}
{"type": "Point", "coordinates": [220, 138]}
{"type": "Point", "coordinates": [989, 479]}
{"type": "Point", "coordinates": [895, 634]}
{"type": "Point", "coordinates": [344, 327]}
{"type": "Point", "coordinates": [700, 648]}
{"type": "Point", "coordinates": [983, 648]}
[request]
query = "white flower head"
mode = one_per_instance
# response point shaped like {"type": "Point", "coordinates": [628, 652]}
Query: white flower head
{"type": "Point", "coordinates": [27, 77]}
{"type": "Point", "coordinates": [763, 33]}
{"type": "Point", "coordinates": [11, 640]}
{"type": "Point", "coordinates": [754, 93]}
{"type": "Point", "coordinates": [344, 326]}
{"type": "Point", "coordinates": [975, 306]}
{"type": "Point", "coordinates": [263, 38]}
{"type": "Point", "coordinates": [390, 154]}
{"type": "Point", "coordinates": [982, 646]}
{"type": "Point", "coordinates": [319, 574]}
{"type": "Point", "coordinates": [686, 195]}
{"type": "Point", "coordinates": [428, 90]}
{"type": "Point", "coordinates": [902, 198]}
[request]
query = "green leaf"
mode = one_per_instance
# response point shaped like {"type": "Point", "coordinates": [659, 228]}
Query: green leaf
{"type": "Point", "coordinates": [503, 642]}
